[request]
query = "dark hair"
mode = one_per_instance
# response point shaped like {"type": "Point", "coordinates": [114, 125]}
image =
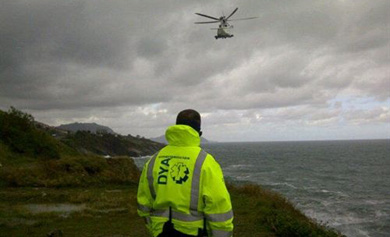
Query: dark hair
{"type": "Point", "coordinates": [191, 118]}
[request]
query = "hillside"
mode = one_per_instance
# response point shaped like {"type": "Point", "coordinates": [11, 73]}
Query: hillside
{"type": "Point", "coordinates": [91, 127]}
{"type": "Point", "coordinates": [31, 156]}
{"type": "Point", "coordinates": [47, 185]}
{"type": "Point", "coordinates": [96, 139]}
{"type": "Point", "coordinates": [110, 145]}
{"type": "Point", "coordinates": [21, 134]}
{"type": "Point", "coordinates": [18, 132]}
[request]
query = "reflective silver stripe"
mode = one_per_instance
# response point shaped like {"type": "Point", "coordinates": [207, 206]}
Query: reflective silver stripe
{"type": "Point", "coordinates": [194, 214]}
{"type": "Point", "coordinates": [176, 215]}
{"type": "Point", "coordinates": [220, 217]}
{"type": "Point", "coordinates": [221, 233]}
{"type": "Point", "coordinates": [196, 182]}
{"type": "Point", "coordinates": [143, 208]}
{"type": "Point", "coordinates": [160, 213]}
{"type": "Point", "coordinates": [150, 176]}
{"type": "Point", "coordinates": [186, 217]}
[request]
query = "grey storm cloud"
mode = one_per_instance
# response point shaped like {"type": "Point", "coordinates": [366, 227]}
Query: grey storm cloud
{"type": "Point", "coordinates": [59, 31]}
{"type": "Point", "coordinates": [67, 54]}
{"type": "Point", "coordinates": [95, 55]}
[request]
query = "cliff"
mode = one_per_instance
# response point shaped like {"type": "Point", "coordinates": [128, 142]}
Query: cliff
{"type": "Point", "coordinates": [48, 186]}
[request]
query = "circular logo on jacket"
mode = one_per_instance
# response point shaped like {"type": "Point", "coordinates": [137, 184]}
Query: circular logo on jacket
{"type": "Point", "coordinates": [179, 173]}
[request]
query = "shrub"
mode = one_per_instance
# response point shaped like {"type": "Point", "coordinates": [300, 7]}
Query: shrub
{"type": "Point", "coordinates": [20, 176]}
{"type": "Point", "coordinates": [122, 170]}
{"type": "Point", "coordinates": [71, 171]}
{"type": "Point", "coordinates": [17, 130]}
{"type": "Point", "coordinates": [278, 214]}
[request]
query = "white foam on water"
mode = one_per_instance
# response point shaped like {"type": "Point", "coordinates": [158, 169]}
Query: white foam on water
{"type": "Point", "coordinates": [335, 193]}
{"type": "Point", "coordinates": [243, 177]}
{"type": "Point", "coordinates": [141, 160]}
{"type": "Point", "coordinates": [315, 189]}
{"type": "Point", "coordinates": [281, 184]}
{"type": "Point", "coordinates": [349, 224]}
{"type": "Point", "coordinates": [356, 204]}
{"type": "Point", "coordinates": [375, 202]}
{"type": "Point", "coordinates": [237, 167]}
{"type": "Point", "coordinates": [141, 157]}
{"type": "Point", "coordinates": [379, 214]}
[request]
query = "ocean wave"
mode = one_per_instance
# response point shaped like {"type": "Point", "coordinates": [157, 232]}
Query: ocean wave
{"type": "Point", "coordinates": [238, 167]}
{"type": "Point", "coordinates": [281, 184]}
{"type": "Point", "coordinates": [319, 181]}
{"type": "Point", "coordinates": [338, 193]}
{"type": "Point", "coordinates": [380, 214]}
{"type": "Point", "coordinates": [314, 189]}
{"type": "Point", "coordinates": [347, 219]}
{"type": "Point", "coordinates": [376, 202]}
{"type": "Point", "coordinates": [243, 178]}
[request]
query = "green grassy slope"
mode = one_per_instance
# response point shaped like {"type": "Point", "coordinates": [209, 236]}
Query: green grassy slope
{"type": "Point", "coordinates": [40, 171]}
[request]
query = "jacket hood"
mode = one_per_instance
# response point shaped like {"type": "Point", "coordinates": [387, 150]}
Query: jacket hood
{"type": "Point", "coordinates": [182, 135]}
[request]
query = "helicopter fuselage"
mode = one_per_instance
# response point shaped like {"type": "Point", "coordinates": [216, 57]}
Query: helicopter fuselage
{"type": "Point", "coordinates": [223, 31]}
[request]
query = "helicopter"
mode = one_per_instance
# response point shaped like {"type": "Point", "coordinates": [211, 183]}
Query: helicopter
{"type": "Point", "coordinates": [224, 27]}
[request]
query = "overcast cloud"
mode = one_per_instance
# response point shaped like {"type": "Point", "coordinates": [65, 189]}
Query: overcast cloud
{"type": "Point", "coordinates": [304, 70]}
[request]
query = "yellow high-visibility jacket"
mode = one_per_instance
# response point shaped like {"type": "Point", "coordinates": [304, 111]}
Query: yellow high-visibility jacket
{"type": "Point", "coordinates": [188, 180]}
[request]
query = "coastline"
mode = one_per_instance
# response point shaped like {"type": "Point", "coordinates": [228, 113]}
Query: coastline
{"type": "Point", "coordinates": [87, 204]}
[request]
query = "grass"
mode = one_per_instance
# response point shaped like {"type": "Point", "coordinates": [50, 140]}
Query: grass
{"type": "Point", "coordinates": [69, 171]}
{"type": "Point", "coordinates": [106, 189]}
{"type": "Point", "coordinates": [103, 193]}
{"type": "Point", "coordinates": [111, 211]}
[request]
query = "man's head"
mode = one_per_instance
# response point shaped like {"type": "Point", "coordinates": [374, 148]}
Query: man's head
{"type": "Point", "coordinates": [191, 118]}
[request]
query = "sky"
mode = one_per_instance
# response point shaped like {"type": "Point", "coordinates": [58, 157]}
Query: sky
{"type": "Point", "coordinates": [302, 70]}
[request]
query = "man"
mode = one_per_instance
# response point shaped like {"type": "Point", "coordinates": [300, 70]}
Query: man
{"type": "Point", "coordinates": [182, 190]}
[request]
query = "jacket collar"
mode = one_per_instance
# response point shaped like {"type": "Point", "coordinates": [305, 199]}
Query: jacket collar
{"type": "Point", "coordinates": [182, 135]}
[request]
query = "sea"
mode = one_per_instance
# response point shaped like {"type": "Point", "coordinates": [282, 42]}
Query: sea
{"type": "Point", "coordinates": [344, 185]}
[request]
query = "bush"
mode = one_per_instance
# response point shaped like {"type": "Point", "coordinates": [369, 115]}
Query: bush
{"type": "Point", "coordinates": [72, 171]}
{"type": "Point", "coordinates": [17, 130]}
{"type": "Point", "coordinates": [276, 213]}
{"type": "Point", "coordinates": [122, 170]}
{"type": "Point", "coordinates": [20, 176]}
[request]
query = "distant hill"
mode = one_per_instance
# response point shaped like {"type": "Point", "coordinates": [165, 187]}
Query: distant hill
{"type": "Point", "coordinates": [107, 144]}
{"type": "Point", "coordinates": [91, 127]}
{"type": "Point", "coordinates": [92, 138]}
{"type": "Point", "coordinates": [161, 139]}
{"type": "Point", "coordinates": [21, 134]}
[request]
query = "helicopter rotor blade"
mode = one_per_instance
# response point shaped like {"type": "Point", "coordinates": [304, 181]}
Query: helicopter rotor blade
{"type": "Point", "coordinates": [231, 14]}
{"type": "Point", "coordinates": [214, 18]}
{"type": "Point", "coordinates": [206, 22]}
{"type": "Point", "coordinates": [240, 19]}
